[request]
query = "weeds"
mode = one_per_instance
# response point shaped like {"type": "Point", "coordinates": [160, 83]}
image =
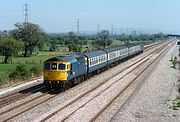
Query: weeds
{"type": "Point", "coordinates": [21, 73]}
{"type": "Point", "coordinates": [176, 103]}
{"type": "Point", "coordinates": [174, 62]}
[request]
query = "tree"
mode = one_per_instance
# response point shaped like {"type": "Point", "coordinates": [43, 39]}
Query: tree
{"type": "Point", "coordinates": [9, 47]}
{"type": "Point", "coordinates": [72, 38]}
{"type": "Point", "coordinates": [103, 39]}
{"type": "Point", "coordinates": [125, 38]}
{"type": "Point", "coordinates": [55, 41]}
{"type": "Point", "coordinates": [30, 34]}
{"type": "Point", "coordinates": [72, 41]}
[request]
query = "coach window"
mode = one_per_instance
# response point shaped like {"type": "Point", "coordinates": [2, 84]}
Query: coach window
{"type": "Point", "coordinates": [54, 66]}
{"type": "Point", "coordinates": [93, 61]}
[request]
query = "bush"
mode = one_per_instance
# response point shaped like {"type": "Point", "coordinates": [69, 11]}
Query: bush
{"type": "Point", "coordinates": [35, 71]}
{"type": "Point", "coordinates": [75, 48]}
{"type": "Point", "coordinates": [21, 72]}
{"type": "Point", "coordinates": [1, 82]}
{"type": "Point", "coordinates": [174, 62]}
{"type": "Point", "coordinates": [14, 75]}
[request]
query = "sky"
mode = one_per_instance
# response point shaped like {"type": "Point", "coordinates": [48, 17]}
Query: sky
{"type": "Point", "coordinates": [61, 15]}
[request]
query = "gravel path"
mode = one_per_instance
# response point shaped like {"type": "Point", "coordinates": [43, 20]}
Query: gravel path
{"type": "Point", "coordinates": [151, 102]}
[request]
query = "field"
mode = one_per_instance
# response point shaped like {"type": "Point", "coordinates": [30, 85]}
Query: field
{"type": "Point", "coordinates": [6, 69]}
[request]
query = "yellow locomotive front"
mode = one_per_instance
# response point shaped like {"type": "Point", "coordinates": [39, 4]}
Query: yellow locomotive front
{"type": "Point", "coordinates": [55, 73]}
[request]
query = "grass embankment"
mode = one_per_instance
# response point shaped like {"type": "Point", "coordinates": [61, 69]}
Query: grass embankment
{"type": "Point", "coordinates": [117, 42]}
{"type": "Point", "coordinates": [29, 62]}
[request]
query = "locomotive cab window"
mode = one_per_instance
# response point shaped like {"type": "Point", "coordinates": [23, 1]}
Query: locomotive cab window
{"type": "Point", "coordinates": [47, 66]}
{"type": "Point", "coordinates": [54, 66]}
{"type": "Point", "coordinates": [62, 66]}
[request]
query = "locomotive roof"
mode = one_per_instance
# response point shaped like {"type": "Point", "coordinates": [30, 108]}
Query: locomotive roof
{"type": "Point", "coordinates": [65, 58]}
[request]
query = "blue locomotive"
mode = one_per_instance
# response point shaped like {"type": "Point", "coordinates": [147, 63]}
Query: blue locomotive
{"type": "Point", "coordinates": [67, 70]}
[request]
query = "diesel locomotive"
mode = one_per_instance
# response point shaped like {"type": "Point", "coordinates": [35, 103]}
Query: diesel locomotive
{"type": "Point", "coordinates": [67, 70]}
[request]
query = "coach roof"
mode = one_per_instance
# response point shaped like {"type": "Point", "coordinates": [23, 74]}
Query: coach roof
{"type": "Point", "coordinates": [94, 53]}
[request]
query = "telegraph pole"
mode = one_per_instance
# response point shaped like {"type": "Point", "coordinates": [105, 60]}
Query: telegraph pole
{"type": "Point", "coordinates": [78, 25]}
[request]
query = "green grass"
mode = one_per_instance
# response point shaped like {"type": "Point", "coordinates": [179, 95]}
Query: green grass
{"type": "Point", "coordinates": [7, 69]}
{"type": "Point", "coordinates": [178, 97]}
{"type": "Point", "coordinates": [117, 42]}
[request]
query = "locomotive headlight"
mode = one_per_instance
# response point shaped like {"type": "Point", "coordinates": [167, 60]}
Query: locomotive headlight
{"type": "Point", "coordinates": [67, 75]}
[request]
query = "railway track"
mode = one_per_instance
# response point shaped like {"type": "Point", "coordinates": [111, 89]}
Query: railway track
{"type": "Point", "coordinates": [26, 105]}
{"type": "Point", "coordinates": [6, 100]}
{"type": "Point", "coordinates": [16, 110]}
{"type": "Point", "coordinates": [66, 110]}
